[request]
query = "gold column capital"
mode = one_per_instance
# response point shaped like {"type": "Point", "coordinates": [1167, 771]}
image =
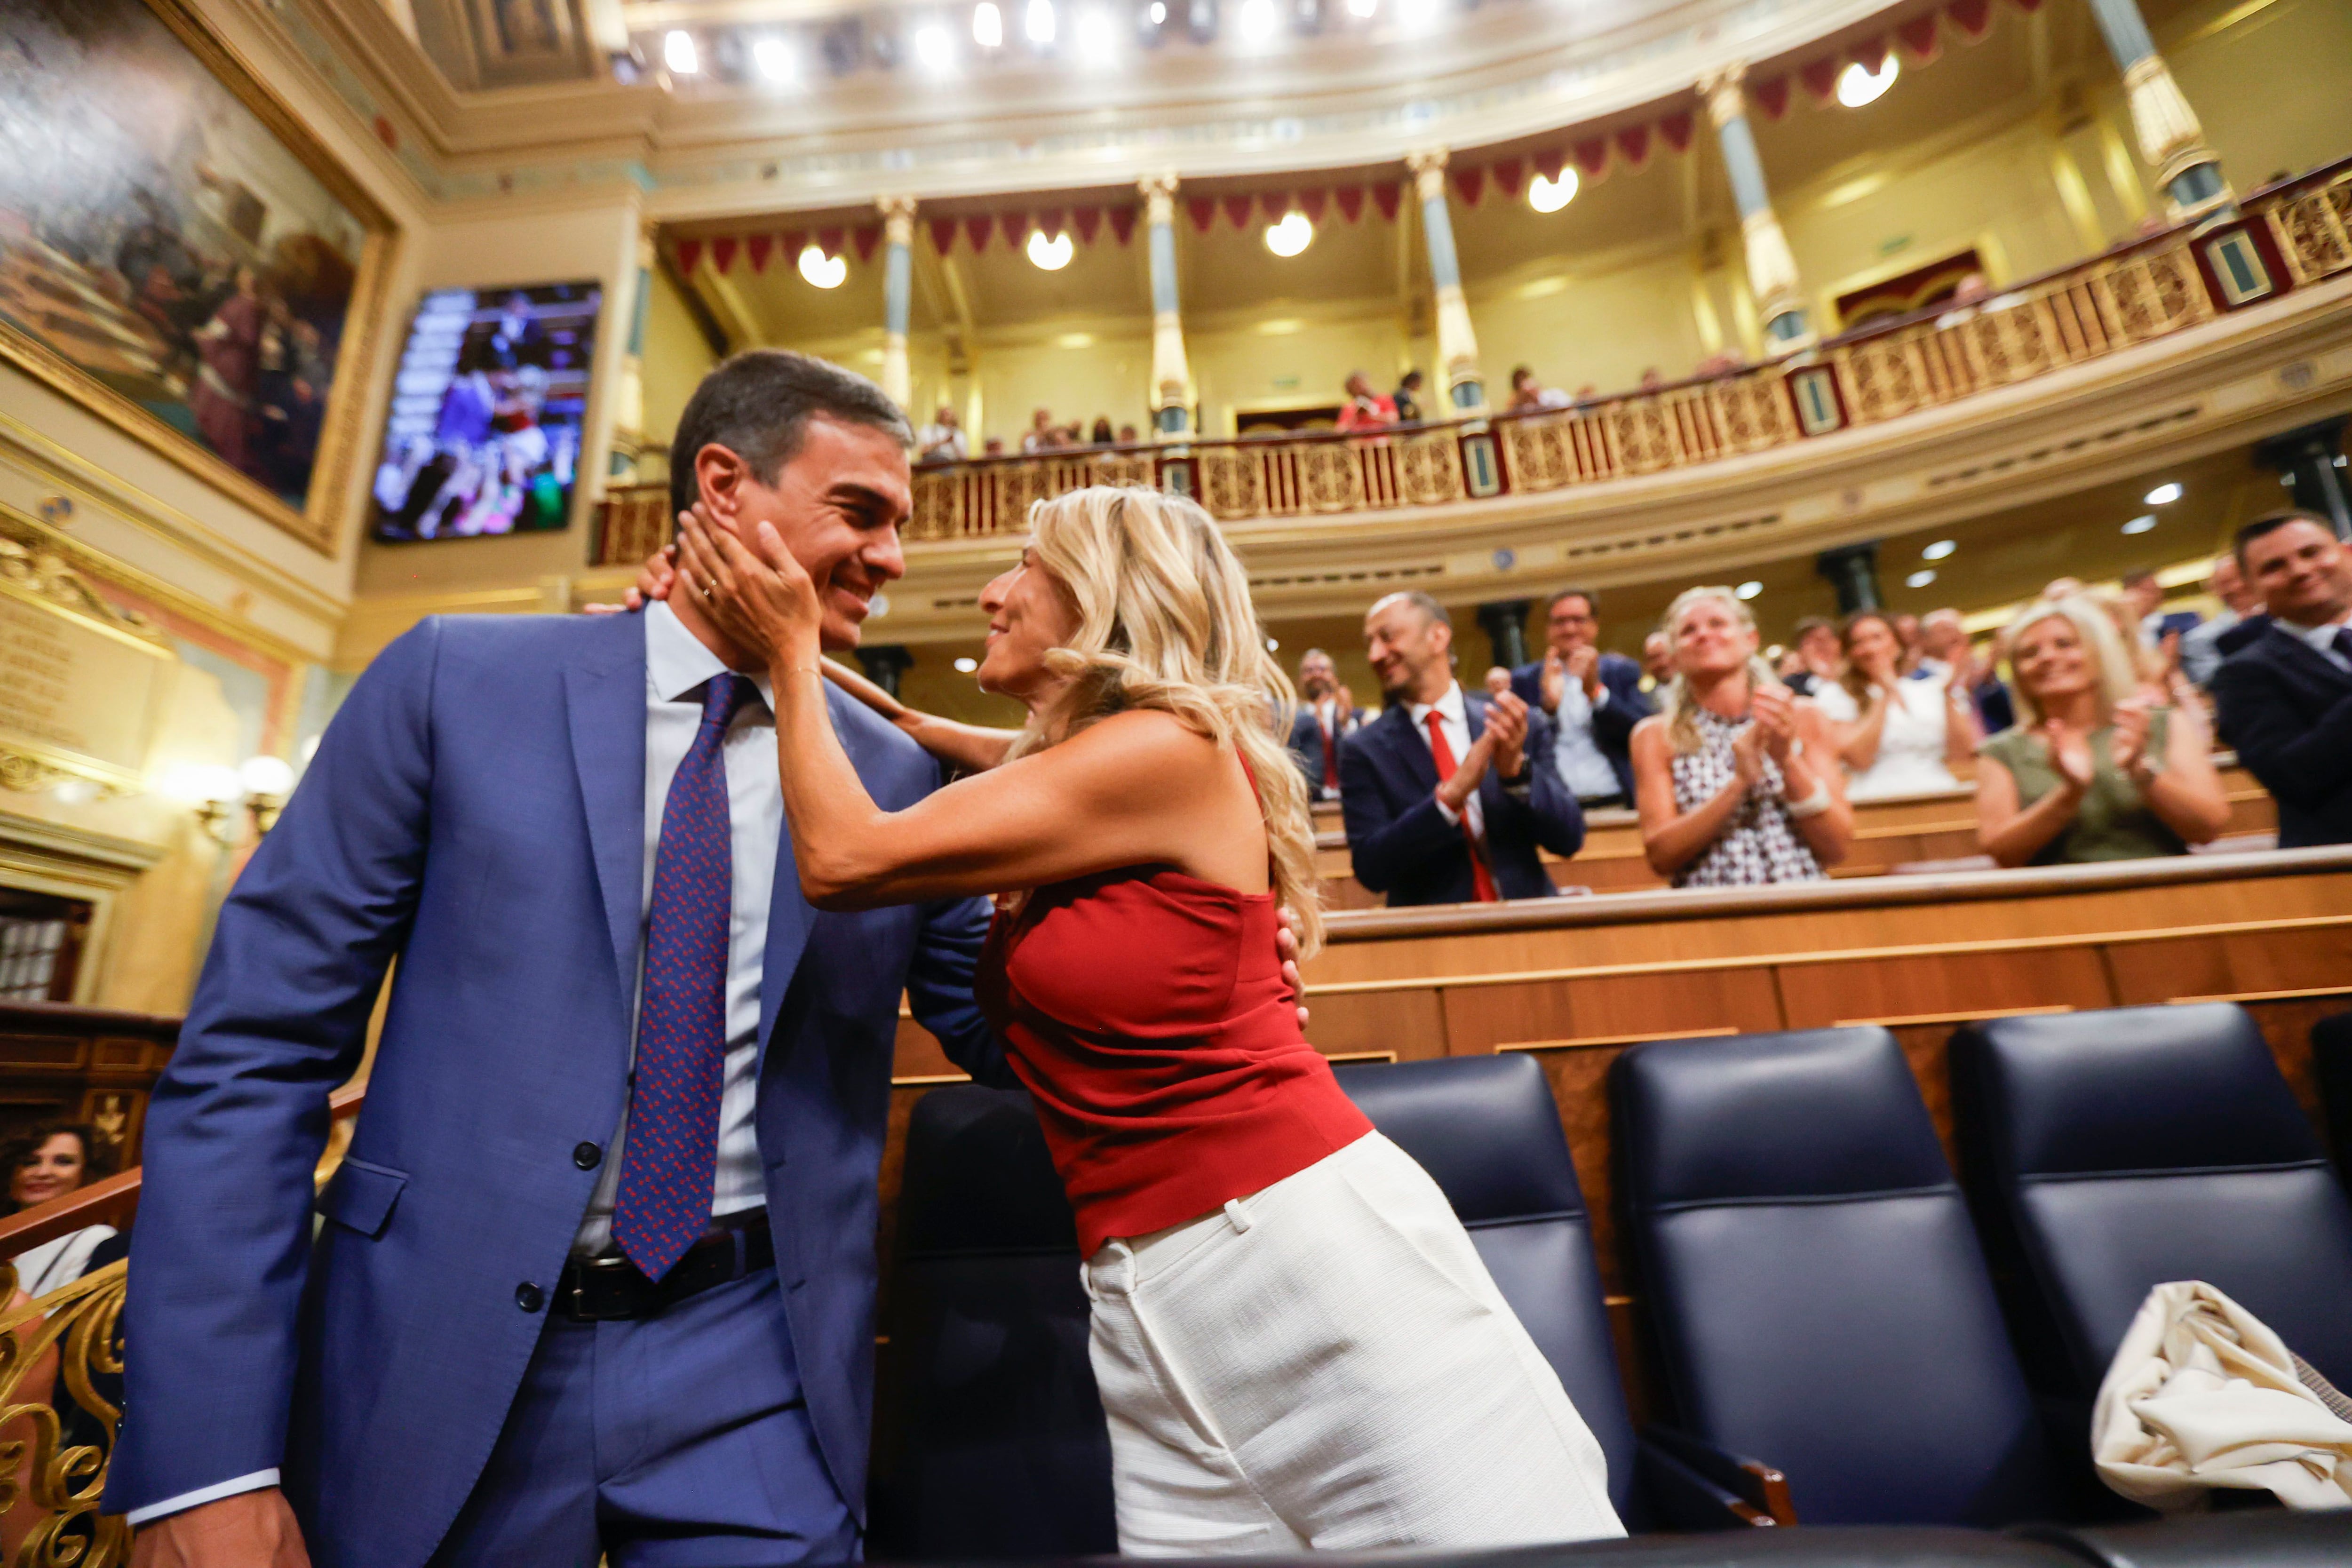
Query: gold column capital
{"type": "Point", "coordinates": [898, 218]}
{"type": "Point", "coordinates": [1727, 99]}
{"type": "Point", "coordinates": [1158, 198]}
{"type": "Point", "coordinates": [1428, 172]}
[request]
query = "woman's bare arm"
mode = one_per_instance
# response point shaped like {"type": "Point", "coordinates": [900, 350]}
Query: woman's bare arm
{"type": "Point", "coordinates": [2188, 794]}
{"type": "Point", "coordinates": [969, 748]}
{"type": "Point", "coordinates": [2014, 835]}
{"type": "Point", "coordinates": [1829, 833]}
{"type": "Point", "coordinates": [1856, 744]}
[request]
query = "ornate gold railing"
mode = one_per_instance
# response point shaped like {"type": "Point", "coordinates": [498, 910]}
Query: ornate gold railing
{"type": "Point", "coordinates": [70, 1340]}
{"type": "Point", "coordinates": [2288, 237]}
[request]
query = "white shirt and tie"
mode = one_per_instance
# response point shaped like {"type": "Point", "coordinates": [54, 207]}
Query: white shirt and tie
{"type": "Point", "coordinates": [1453, 719]}
{"type": "Point", "coordinates": [1583, 766]}
{"type": "Point", "coordinates": [2325, 640]}
{"type": "Point", "coordinates": [678, 669]}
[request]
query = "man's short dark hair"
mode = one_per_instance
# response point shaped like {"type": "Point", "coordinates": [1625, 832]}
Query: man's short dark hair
{"type": "Point", "coordinates": [2271, 522]}
{"type": "Point", "coordinates": [1410, 377]}
{"type": "Point", "coordinates": [758, 405]}
{"type": "Point", "coordinates": [1808, 625]}
{"type": "Point", "coordinates": [1591, 600]}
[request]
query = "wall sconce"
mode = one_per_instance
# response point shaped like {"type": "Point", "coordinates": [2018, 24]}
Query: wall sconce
{"type": "Point", "coordinates": [267, 782]}
{"type": "Point", "coordinates": [214, 790]}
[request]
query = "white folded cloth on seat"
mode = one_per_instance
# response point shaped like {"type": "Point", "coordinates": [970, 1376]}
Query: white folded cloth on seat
{"type": "Point", "coordinates": [2200, 1394]}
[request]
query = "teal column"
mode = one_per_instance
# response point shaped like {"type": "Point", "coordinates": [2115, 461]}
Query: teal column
{"type": "Point", "coordinates": [897, 295]}
{"type": "Point", "coordinates": [1772, 266]}
{"type": "Point", "coordinates": [2171, 140]}
{"type": "Point", "coordinates": [1457, 343]}
{"type": "Point", "coordinates": [1172, 373]}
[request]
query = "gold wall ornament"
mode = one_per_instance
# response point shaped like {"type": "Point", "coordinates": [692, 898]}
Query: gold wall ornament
{"type": "Point", "coordinates": [83, 684]}
{"type": "Point", "coordinates": [66, 1339]}
{"type": "Point", "coordinates": [1725, 98]}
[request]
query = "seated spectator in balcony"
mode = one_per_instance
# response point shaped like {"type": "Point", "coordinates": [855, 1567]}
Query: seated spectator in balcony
{"type": "Point", "coordinates": [1042, 435]}
{"type": "Point", "coordinates": [1593, 699]}
{"type": "Point", "coordinates": [1101, 435]}
{"type": "Point", "coordinates": [943, 440]}
{"type": "Point", "coordinates": [1657, 661]}
{"type": "Point", "coordinates": [1587, 396]}
{"type": "Point", "coordinates": [1447, 797]}
{"type": "Point", "coordinates": [1733, 775]}
{"type": "Point", "coordinates": [55, 1158]}
{"type": "Point", "coordinates": [1328, 715]}
{"type": "Point", "coordinates": [2204, 646]}
{"type": "Point", "coordinates": [1651, 379]}
{"type": "Point", "coordinates": [2097, 768]}
{"type": "Point", "coordinates": [1895, 735]}
{"type": "Point", "coordinates": [1944, 636]}
{"type": "Point", "coordinates": [992, 447]}
{"type": "Point", "coordinates": [1365, 409]}
{"type": "Point", "coordinates": [1820, 655]}
{"type": "Point", "coordinates": [1730, 361]}
{"type": "Point", "coordinates": [2286, 698]}
{"type": "Point", "coordinates": [1127, 435]}
{"type": "Point", "coordinates": [1528, 393]}
{"type": "Point", "coordinates": [1406, 399]}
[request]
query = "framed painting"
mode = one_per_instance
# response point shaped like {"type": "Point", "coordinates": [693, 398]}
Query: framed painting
{"type": "Point", "coordinates": [178, 255]}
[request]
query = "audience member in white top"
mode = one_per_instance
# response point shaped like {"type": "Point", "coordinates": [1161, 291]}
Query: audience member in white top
{"type": "Point", "coordinates": [56, 1160]}
{"type": "Point", "coordinates": [1895, 735]}
{"type": "Point", "coordinates": [943, 440]}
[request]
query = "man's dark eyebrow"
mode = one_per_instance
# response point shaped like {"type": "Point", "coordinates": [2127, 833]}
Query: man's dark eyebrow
{"type": "Point", "coordinates": [862, 498]}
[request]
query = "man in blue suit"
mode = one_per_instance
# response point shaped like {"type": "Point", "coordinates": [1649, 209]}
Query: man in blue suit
{"type": "Point", "coordinates": [1447, 795]}
{"type": "Point", "coordinates": [2285, 697]}
{"type": "Point", "coordinates": [597, 1275]}
{"type": "Point", "coordinates": [1593, 699]}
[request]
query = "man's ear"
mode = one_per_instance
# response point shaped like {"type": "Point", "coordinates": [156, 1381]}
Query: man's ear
{"type": "Point", "coordinates": [719, 475]}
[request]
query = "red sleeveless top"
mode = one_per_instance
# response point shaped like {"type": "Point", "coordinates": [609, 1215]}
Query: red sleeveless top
{"type": "Point", "coordinates": [1146, 1011]}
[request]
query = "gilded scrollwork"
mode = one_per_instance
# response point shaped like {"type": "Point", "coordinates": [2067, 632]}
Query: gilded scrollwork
{"type": "Point", "coordinates": [51, 1487]}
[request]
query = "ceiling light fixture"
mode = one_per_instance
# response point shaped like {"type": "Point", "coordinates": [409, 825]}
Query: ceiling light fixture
{"type": "Point", "coordinates": [823, 270]}
{"type": "Point", "coordinates": [2141, 523]}
{"type": "Point", "coordinates": [987, 25]}
{"type": "Point", "coordinates": [1258, 20]}
{"type": "Point", "coordinates": [2163, 495]}
{"type": "Point", "coordinates": [1858, 84]}
{"type": "Point", "coordinates": [1050, 255]}
{"type": "Point", "coordinates": [934, 50]}
{"type": "Point", "coordinates": [1749, 589]}
{"type": "Point", "coordinates": [1293, 234]}
{"type": "Point", "coordinates": [1362, 8]}
{"type": "Point", "coordinates": [1417, 15]}
{"type": "Point", "coordinates": [1921, 578]}
{"type": "Point", "coordinates": [1159, 13]}
{"type": "Point", "coordinates": [773, 57]}
{"type": "Point", "coordinates": [1938, 549]}
{"type": "Point", "coordinates": [1549, 195]}
{"type": "Point", "coordinates": [1096, 39]}
{"type": "Point", "coordinates": [1038, 23]}
{"type": "Point", "coordinates": [677, 53]}
{"type": "Point", "coordinates": [966, 664]}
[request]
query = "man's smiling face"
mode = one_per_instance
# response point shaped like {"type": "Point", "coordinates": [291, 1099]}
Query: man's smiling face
{"type": "Point", "coordinates": [838, 504]}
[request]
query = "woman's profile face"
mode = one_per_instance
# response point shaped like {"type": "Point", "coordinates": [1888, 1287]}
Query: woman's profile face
{"type": "Point", "coordinates": [2051, 660]}
{"type": "Point", "coordinates": [1709, 638]}
{"type": "Point", "coordinates": [51, 1170]}
{"type": "Point", "coordinates": [1029, 615]}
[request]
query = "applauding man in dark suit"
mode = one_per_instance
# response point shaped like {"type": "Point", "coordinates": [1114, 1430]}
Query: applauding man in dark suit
{"type": "Point", "coordinates": [1448, 795]}
{"type": "Point", "coordinates": [1593, 699]}
{"type": "Point", "coordinates": [2286, 698]}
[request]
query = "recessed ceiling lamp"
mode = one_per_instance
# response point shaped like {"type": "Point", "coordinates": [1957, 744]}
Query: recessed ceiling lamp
{"type": "Point", "coordinates": [2163, 495]}
{"type": "Point", "coordinates": [1417, 15]}
{"type": "Point", "coordinates": [825, 271]}
{"type": "Point", "coordinates": [773, 59]}
{"type": "Point", "coordinates": [1858, 84]}
{"type": "Point", "coordinates": [966, 664]}
{"type": "Point", "coordinates": [2141, 523]}
{"type": "Point", "coordinates": [987, 25]}
{"type": "Point", "coordinates": [1050, 255]}
{"type": "Point", "coordinates": [1159, 13]}
{"type": "Point", "coordinates": [1548, 195]}
{"type": "Point", "coordinates": [677, 53]}
{"type": "Point", "coordinates": [1292, 235]}
{"type": "Point", "coordinates": [1938, 549]}
{"type": "Point", "coordinates": [1274, 645]}
{"type": "Point", "coordinates": [1362, 8]}
{"type": "Point", "coordinates": [1749, 589]}
{"type": "Point", "coordinates": [1038, 23]}
{"type": "Point", "coordinates": [934, 50]}
{"type": "Point", "coordinates": [1258, 20]}
{"type": "Point", "coordinates": [1921, 578]}
{"type": "Point", "coordinates": [1097, 40]}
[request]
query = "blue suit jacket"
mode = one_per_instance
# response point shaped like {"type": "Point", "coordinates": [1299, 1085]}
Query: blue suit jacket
{"type": "Point", "coordinates": [1401, 844]}
{"type": "Point", "coordinates": [477, 808]}
{"type": "Point", "coordinates": [2288, 711]}
{"type": "Point", "coordinates": [1612, 722]}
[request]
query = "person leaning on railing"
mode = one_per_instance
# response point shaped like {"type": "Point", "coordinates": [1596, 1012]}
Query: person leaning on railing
{"type": "Point", "coordinates": [54, 1159]}
{"type": "Point", "coordinates": [1734, 776]}
{"type": "Point", "coordinates": [2097, 766]}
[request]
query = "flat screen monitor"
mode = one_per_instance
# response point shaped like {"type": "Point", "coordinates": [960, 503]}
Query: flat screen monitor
{"type": "Point", "coordinates": [484, 436]}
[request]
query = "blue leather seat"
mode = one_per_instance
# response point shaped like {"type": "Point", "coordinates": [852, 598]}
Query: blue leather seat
{"type": "Point", "coordinates": [2116, 1150]}
{"type": "Point", "coordinates": [993, 1444]}
{"type": "Point", "coordinates": [1819, 1300]}
{"type": "Point", "coordinates": [2331, 1063]}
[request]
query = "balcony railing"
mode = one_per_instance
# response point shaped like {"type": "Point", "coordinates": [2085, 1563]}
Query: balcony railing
{"type": "Point", "coordinates": [2287, 237]}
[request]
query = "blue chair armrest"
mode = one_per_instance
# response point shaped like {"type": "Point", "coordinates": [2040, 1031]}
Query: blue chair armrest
{"type": "Point", "coordinates": [1681, 1499]}
{"type": "Point", "coordinates": [1759, 1489]}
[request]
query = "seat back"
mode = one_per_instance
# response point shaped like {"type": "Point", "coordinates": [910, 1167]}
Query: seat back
{"type": "Point", "coordinates": [2331, 1064]}
{"type": "Point", "coordinates": [1819, 1298]}
{"type": "Point", "coordinates": [994, 1445]}
{"type": "Point", "coordinates": [1488, 1130]}
{"type": "Point", "coordinates": [2126, 1148]}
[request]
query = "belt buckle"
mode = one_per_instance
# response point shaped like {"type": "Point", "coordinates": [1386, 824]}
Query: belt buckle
{"type": "Point", "coordinates": [579, 1305]}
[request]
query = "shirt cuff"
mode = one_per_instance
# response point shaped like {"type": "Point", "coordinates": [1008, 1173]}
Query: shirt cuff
{"type": "Point", "coordinates": [1601, 701]}
{"type": "Point", "coordinates": [202, 1495]}
{"type": "Point", "coordinates": [1452, 816]}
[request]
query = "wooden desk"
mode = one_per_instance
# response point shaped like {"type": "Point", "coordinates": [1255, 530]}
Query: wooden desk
{"type": "Point", "coordinates": [1898, 830]}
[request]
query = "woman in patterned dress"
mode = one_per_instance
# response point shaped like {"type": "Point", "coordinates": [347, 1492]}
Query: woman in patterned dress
{"type": "Point", "coordinates": [1736, 776]}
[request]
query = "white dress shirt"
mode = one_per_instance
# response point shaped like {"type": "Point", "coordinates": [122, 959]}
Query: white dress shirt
{"type": "Point", "coordinates": [2322, 638]}
{"type": "Point", "coordinates": [1583, 766]}
{"type": "Point", "coordinates": [1453, 718]}
{"type": "Point", "coordinates": [677, 668]}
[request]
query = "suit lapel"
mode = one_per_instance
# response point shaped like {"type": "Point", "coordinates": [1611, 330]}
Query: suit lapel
{"type": "Point", "coordinates": [606, 699]}
{"type": "Point", "coordinates": [2300, 654]}
{"type": "Point", "coordinates": [790, 916]}
{"type": "Point", "coordinates": [1406, 745]}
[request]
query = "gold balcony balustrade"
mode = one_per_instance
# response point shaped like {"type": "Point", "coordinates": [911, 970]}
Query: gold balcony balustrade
{"type": "Point", "coordinates": [2288, 237]}
{"type": "Point", "coordinates": [60, 1379]}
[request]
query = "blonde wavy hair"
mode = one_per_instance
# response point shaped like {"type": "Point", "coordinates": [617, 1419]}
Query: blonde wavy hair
{"type": "Point", "coordinates": [1166, 622]}
{"type": "Point", "coordinates": [1674, 699]}
{"type": "Point", "coordinates": [2117, 672]}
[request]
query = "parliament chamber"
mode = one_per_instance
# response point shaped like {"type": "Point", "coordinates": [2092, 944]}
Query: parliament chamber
{"type": "Point", "coordinates": [1804, 551]}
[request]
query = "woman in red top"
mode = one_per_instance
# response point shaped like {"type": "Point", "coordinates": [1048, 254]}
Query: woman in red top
{"type": "Point", "coordinates": [1296, 1343]}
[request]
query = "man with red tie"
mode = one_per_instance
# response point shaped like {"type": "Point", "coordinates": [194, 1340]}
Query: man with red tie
{"type": "Point", "coordinates": [1449, 795]}
{"type": "Point", "coordinates": [1328, 715]}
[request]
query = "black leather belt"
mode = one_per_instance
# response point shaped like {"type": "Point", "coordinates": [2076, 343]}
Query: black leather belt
{"type": "Point", "coordinates": [608, 1287]}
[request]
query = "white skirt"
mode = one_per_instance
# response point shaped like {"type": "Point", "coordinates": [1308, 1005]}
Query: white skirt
{"type": "Point", "coordinates": [1326, 1365]}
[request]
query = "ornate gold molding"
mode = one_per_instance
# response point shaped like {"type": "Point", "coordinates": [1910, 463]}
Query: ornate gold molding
{"type": "Point", "coordinates": [66, 1338]}
{"type": "Point", "coordinates": [1725, 99]}
{"type": "Point", "coordinates": [1428, 173]}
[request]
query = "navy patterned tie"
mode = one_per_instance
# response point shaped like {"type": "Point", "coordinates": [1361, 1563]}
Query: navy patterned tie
{"type": "Point", "coordinates": [673, 1144]}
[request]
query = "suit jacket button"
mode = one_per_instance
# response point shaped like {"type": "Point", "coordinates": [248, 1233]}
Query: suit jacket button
{"type": "Point", "coordinates": [587, 1157]}
{"type": "Point", "coordinates": [530, 1297]}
